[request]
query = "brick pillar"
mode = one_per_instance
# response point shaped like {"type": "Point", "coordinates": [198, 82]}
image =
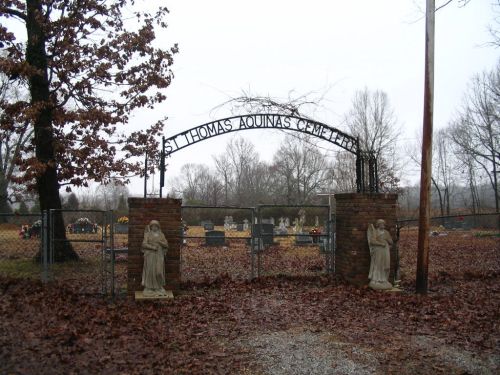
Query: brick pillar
{"type": "Point", "coordinates": [141, 211]}
{"type": "Point", "coordinates": [354, 212]}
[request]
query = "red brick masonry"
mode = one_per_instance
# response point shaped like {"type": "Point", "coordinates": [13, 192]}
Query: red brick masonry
{"type": "Point", "coordinates": [354, 213]}
{"type": "Point", "coordinates": [141, 211]}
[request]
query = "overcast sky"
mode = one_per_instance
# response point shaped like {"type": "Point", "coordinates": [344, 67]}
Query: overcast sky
{"type": "Point", "coordinates": [273, 47]}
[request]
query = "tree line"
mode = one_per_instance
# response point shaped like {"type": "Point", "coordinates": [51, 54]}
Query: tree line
{"type": "Point", "coordinates": [466, 158]}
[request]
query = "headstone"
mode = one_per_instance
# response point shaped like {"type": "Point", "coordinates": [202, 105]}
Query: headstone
{"type": "Point", "coordinates": [266, 231]}
{"type": "Point", "coordinates": [282, 228]}
{"type": "Point", "coordinates": [208, 226]}
{"type": "Point", "coordinates": [120, 228]}
{"type": "Point", "coordinates": [215, 238]}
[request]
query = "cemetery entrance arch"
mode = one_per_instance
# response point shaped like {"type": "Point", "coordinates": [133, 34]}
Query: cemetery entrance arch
{"type": "Point", "coordinates": [366, 163]}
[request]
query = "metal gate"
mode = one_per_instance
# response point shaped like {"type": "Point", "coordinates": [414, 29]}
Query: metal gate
{"type": "Point", "coordinates": [260, 238]}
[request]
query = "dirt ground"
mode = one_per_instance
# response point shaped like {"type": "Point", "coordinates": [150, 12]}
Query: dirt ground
{"type": "Point", "coordinates": [280, 324]}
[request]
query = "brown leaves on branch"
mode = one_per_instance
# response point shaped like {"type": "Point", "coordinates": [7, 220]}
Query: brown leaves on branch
{"type": "Point", "coordinates": [102, 65]}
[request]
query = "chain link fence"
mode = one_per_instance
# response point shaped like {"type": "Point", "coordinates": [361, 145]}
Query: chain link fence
{"type": "Point", "coordinates": [21, 245]}
{"type": "Point", "coordinates": [488, 222]}
{"type": "Point", "coordinates": [29, 248]}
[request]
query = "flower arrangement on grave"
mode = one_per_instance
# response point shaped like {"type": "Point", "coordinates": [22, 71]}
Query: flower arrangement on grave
{"type": "Point", "coordinates": [315, 231]}
{"type": "Point", "coordinates": [123, 220]}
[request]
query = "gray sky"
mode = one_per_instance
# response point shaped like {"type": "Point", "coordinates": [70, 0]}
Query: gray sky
{"type": "Point", "coordinates": [275, 47]}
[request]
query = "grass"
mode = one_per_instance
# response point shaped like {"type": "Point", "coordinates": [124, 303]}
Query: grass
{"type": "Point", "coordinates": [20, 268]}
{"type": "Point", "coordinates": [486, 234]}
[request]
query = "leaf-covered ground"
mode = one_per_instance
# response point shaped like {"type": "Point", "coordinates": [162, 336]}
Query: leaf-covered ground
{"type": "Point", "coordinates": [275, 325]}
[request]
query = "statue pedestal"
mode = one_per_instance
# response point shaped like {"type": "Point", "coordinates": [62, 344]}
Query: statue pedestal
{"type": "Point", "coordinates": [139, 296]}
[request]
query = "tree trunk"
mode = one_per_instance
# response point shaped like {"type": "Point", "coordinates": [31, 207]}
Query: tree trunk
{"type": "Point", "coordinates": [46, 183]}
{"type": "Point", "coordinates": [4, 203]}
{"type": "Point", "coordinates": [436, 186]}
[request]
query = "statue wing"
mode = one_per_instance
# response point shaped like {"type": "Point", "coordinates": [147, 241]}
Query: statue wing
{"type": "Point", "coordinates": [371, 234]}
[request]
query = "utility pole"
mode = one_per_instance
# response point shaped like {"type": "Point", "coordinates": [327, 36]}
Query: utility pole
{"type": "Point", "coordinates": [146, 174]}
{"type": "Point", "coordinates": [426, 169]}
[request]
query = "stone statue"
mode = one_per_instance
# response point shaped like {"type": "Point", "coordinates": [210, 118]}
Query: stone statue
{"type": "Point", "coordinates": [379, 241]}
{"type": "Point", "coordinates": [154, 248]}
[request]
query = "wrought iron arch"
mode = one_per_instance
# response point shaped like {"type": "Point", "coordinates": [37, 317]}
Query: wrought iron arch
{"type": "Point", "coordinates": [277, 122]}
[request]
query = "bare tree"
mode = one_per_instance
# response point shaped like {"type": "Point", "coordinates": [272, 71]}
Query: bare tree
{"type": "Point", "coordinates": [302, 169]}
{"type": "Point", "coordinates": [13, 137]}
{"type": "Point", "coordinates": [243, 158]}
{"type": "Point", "coordinates": [199, 185]}
{"type": "Point", "coordinates": [225, 170]}
{"type": "Point", "coordinates": [109, 195]}
{"type": "Point", "coordinates": [443, 167]}
{"type": "Point", "coordinates": [494, 28]}
{"type": "Point", "coordinates": [372, 119]}
{"type": "Point", "coordinates": [343, 166]}
{"type": "Point", "coordinates": [476, 130]}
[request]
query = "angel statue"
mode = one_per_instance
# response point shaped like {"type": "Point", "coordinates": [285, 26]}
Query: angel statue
{"type": "Point", "coordinates": [154, 248]}
{"type": "Point", "coordinates": [379, 241]}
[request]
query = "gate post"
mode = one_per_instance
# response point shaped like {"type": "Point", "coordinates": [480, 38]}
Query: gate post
{"type": "Point", "coordinates": [354, 213]}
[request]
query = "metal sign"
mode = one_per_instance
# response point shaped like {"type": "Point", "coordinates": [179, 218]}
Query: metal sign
{"type": "Point", "coordinates": [276, 122]}
{"type": "Point", "coordinates": [259, 121]}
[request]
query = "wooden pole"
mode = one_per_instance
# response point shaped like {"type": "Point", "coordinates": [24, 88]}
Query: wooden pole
{"type": "Point", "coordinates": [426, 169]}
{"type": "Point", "coordinates": [146, 175]}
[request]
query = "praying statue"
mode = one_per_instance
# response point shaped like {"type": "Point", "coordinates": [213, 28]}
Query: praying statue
{"type": "Point", "coordinates": [379, 241]}
{"type": "Point", "coordinates": [154, 248]}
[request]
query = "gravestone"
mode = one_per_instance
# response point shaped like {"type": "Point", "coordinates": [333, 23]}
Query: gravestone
{"type": "Point", "coordinates": [282, 228]}
{"type": "Point", "coordinates": [215, 238]}
{"type": "Point", "coordinates": [120, 228]}
{"type": "Point", "coordinates": [228, 223]}
{"type": "Point", "coordinates": [207, 224]}
{"type": "Point", "coordinates": [266, 231]}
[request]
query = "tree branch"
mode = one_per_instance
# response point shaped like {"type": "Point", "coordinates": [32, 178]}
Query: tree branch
{"type": "Point", "coordinates": [13, 12]}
